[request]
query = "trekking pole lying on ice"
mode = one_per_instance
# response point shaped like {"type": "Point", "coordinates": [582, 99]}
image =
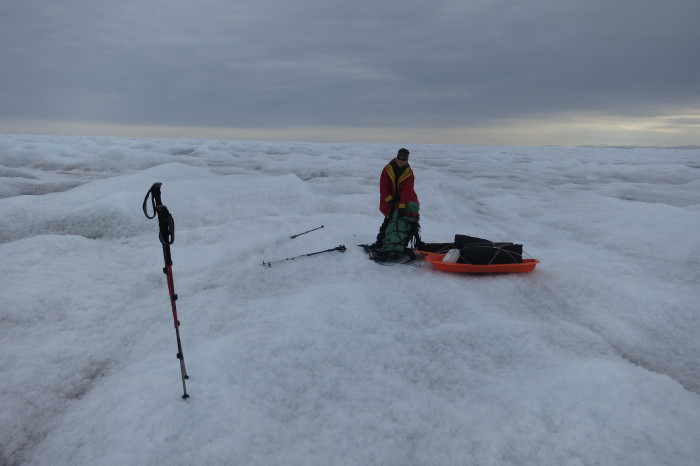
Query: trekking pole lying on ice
{"type": "Point", "coordinates": [317, 228]}
{"type": "Point", "coordinates": [340, 248]}
{"type": "Point", "coordinates": [167, 237]}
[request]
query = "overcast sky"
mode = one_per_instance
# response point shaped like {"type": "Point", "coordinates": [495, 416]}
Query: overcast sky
{"type": "Point", "coordinates": [453, 71]}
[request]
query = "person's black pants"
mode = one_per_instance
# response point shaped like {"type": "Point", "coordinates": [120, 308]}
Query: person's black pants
{"type": "Point", "coordinates": [382, 230]}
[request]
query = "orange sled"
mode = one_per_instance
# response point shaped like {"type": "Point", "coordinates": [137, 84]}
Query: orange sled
{"type": "Point", "coordinates": [527, 265]}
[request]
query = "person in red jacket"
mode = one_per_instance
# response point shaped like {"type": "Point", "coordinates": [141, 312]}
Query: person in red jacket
{"type": "Point", "coordinates": [396, 189]}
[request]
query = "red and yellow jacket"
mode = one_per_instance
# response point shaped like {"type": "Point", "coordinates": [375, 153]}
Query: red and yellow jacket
{"type": "Point", "coordinates": [393, 191]}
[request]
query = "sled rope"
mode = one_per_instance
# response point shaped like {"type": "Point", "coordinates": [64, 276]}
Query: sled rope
{"type": "Point", "coordinates": [498, 249]}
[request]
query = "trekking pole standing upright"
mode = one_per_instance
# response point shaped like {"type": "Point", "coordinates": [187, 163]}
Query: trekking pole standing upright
{"type": "Point", "coordinates": [167, 237]}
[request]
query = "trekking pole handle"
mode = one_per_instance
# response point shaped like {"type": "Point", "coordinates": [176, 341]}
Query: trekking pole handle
{"type": "Point", "coordinates": [166, 225]}
{"type": "Point", "coordinates": [340, 248]}
{"type": "Point", "coordinates": [154, 194]}
{"type": "Point", "coordinates": [165, 220]}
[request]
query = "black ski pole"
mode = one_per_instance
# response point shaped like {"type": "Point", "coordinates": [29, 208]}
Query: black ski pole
{"type": "Point", "coordinates": [166, 235]}
{"type": "Point", "coordinates": [317, 228]}
{"type": "Point", "coordinates": [340, 248]}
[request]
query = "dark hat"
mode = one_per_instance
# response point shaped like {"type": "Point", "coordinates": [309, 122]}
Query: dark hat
{"type": "Point", "coordinates": [402, 154]}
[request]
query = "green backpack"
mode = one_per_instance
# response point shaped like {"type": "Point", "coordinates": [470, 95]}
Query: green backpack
{"type": "Point", "coordinates": [401, 230]}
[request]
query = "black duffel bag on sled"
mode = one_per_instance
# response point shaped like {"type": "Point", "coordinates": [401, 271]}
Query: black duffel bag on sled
{"type": "Point", "coordinates": [478, 251]}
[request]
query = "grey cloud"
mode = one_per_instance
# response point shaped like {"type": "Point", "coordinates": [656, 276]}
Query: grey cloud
{"type": "Point", "coordinates": [257, 63]}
